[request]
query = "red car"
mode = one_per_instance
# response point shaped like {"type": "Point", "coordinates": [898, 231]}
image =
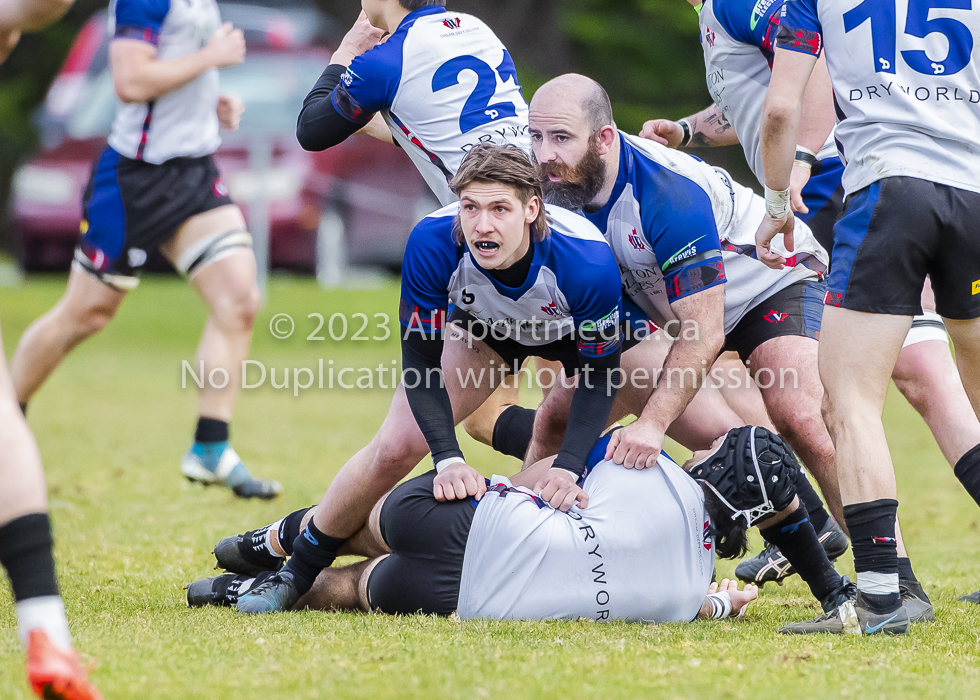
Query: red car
{"type": "Point", "coordinates": [373, 186]}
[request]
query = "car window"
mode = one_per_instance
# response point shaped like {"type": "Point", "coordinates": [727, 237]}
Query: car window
{"type": "Point", "coordinates": [272, 86]}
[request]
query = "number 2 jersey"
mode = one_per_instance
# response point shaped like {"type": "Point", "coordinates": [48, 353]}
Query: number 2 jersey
{"type": "Point", "coordinates": [640, 552]}
{"type": "Point", "coordinates": [443, 83]}
{"type": "Point", "coordinates": [906, 83]}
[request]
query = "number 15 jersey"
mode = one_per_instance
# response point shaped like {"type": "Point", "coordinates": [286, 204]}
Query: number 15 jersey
{"type": "Point", "coordinates": [906, 84]}
{"type": "Point", "coordinates": [443, 83]}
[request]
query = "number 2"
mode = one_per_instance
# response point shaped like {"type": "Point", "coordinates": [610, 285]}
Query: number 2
{"type": "Point", "coordinates": [477, 110]}
{"type": "Point", "coordinates": [917, 24]}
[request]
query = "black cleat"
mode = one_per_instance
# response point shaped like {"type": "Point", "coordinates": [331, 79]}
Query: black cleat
{"type": "Point", "coordinates": [972, 598]}
{"type": "Point", "coordinates": [770, 565]}
{"type": "Point", "coordinates": [853, 617]}
{"type": "Point", "coordinates": [277, 594]}
{"type": "Point", "coordinates": [915, 601]}
{"type": "Point", "coordinates": [210, 591]}
{"type": "Point", "coordinates": [246, 554]}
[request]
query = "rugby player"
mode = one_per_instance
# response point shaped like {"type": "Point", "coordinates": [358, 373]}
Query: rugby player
{"type": "Point", "coordinates": [54, 668]}
{"type": "Point", "coordinates": [738, 39]}
{"type": "Point", "coordinates": [155, 187]}
{"type": "Point", "coordinates": [523, 280]}
{"type": "Point", "coordinates": [908, 135]}
{"type": "Point", "coordinates": [512, 556]}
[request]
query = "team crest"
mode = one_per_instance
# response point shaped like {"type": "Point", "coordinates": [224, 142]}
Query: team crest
{"type": "Point", "coordinates": [636, 241]}
{"type": "Point", "coordinates": [706, 535]}
{"type": "Point", "coordinates": [551, 309]}
{"type": "Point", "coordinates": [452, 23]}
{"type": "Point", "coordinates": [775, 317]}
{"type": "Point", "coordinates": [709, 36]}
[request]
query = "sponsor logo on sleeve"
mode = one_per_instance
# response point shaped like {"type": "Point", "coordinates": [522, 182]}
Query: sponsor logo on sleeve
{"type": "Point", "coordinates": [688, 251]}
{"type": "Point", "coordinates": [759, 11]}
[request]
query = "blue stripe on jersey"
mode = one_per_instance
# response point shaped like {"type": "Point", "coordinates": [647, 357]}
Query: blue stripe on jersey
{"type": "Point", "coordinates": [431, 257]}
{"type": "Point", "coordinates": [800, 29]}
{"type": "Point", "coordinates": [821, 187]}
{"type": "Point", "coordinates": [371, 81]}
{"type": "Point", "coordinates": [141, 19]}
{"type": "Point", "coordinates": [105, 213]}
{"type": "Point", "coordinates": [849, 233]}
{"type": "Point", "coordinates": [748, 21]}
{"type": "Point", "coordinates": [598, 453]}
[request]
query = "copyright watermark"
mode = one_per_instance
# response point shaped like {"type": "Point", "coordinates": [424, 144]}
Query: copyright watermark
{"type": "Point", "coordinates": [282, 326]}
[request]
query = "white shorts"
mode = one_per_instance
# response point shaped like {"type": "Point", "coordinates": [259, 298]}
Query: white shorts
{"type": "Point", "coordinates": [928, 326]}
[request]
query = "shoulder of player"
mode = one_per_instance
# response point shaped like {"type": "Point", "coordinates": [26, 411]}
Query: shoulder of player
{"type": "Point", "coordinates": [434, 232]}
{"type": "Point", "coordinates": [745, 20]}
{"type": "Point", "coordinates": [571, 225]}
{"type": "Point", "coordinates": [661, 174]}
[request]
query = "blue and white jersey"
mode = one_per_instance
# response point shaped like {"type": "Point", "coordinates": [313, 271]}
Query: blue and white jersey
{"type": "Point", "coordinates": [906, 82]}
{"type": "Point", "coordinates": [642, 550]}
{"type": "Point", "coordinates": [738, 38]}
{"type": "Point", "coordinates": [443, 83]}
{"type": "Point", "coordinates": [678, 226]}
{"type": "Point", "coordinates": [572, 286]}
{"type": "Point", "coordinates": [182, 123]}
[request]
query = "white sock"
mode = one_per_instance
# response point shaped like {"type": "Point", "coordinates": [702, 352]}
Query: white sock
{"type": "Point", "coordinates": [273, 528]}
{"type": "Point", "coordinates": [46, 613]}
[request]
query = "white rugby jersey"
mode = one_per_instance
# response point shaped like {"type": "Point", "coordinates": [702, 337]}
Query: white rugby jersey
{"type": "Point", "coordinates": [182, 123]}
{"type": "Point", "coordinates": [443, 83]}
{"type": "Point", "coordinates": [677, 226]}
{"type": "Point", "coordinates": [906, 82]}
{"type": "Point", "coordinates": [640, 552]}
{"type": "Point", "coordinates": [738, 38]}
{"type": "Point", "coordinates": [572, 285]}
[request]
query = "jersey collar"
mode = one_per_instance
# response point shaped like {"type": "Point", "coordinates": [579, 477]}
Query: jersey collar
{"type": "Point", "coordinates": [421, 12]}
{"type": "Point", "coordinates": [515, 293]}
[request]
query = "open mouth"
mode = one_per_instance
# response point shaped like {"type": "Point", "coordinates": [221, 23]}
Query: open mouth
{"type": "Point", "coordinates": [486, 246]}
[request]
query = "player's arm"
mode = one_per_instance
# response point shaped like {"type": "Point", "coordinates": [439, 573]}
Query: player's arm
{"type": "Point", "coordinates": [798, 46]}
{"type": "Point", "coordinates": [139, 76]}
{"type": "Point", "coordinates": [707, 128]}
{"type": "Point", "coordinates": [334, 111]}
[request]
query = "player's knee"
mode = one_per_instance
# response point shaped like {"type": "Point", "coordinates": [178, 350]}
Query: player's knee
{"type": "Point", "coordinates": [87, 322]}
{"type": "Point", "coordinates": [923, 382]}
{"type": "Point", "coordinates": [238, 307]}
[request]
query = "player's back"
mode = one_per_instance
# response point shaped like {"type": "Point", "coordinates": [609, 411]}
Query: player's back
{"type": "Point", "coordinates": [182, 123]}
{"type": "Point", "coordinates": [639, 552]}
{"type": "Point", "coordinates": [444, 83]}
{"type": "Point", "coordinates": [906, 82]}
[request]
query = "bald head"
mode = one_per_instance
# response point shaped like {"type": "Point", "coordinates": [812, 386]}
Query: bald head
{"type": "Point", "coordinates": [595, 109]}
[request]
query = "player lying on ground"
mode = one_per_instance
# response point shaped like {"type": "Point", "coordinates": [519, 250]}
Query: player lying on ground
{"type": "Point", "coordinates": [512, 556]}
{"type": "Point", "coordinates": [523, 281]}
{"type": "Point", "coordinates": [156, 187]}
{"type": "Point", "coordinates": [738, 50]}
{"type": "Point", "coordinates": [912, 203]}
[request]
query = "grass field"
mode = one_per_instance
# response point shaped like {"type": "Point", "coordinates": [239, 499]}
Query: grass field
{"type": "Point", "coordinates": [114, 421]}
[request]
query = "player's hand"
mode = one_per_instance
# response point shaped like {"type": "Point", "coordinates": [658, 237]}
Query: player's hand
{"type": "Point", "coordinates": [664, 132]}
{"type": "Point", "coordinates": [230, 111]}
{"type": "Point", "coordinates": [362, 37]}
{"type": "Point", "coordinates": [797, 182]}
{"type": "Point", "coordinates": [559, 487]}
{"type": "Point", "coordinates": [769, 229]}
{"type": "Point", "coordinates": [227, 46]}
{"type": "Point", "coordinates": [459, 481]}
{"type": "Point", "coordinates": [740, 599]}
{"type": "Point", "coordinates": [637, 446]}
{"type": "Point", "coordinates": [9, 36]}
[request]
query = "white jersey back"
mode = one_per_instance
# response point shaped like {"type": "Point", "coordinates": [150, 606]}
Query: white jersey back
{"type": "Point", "coordinates": [639, 552]}
{"type": "Point", "coordinates": [738, 37]}
{"type": "Point", "coordinates": [182, 123]}
{"type": "Point", "coordinates": [443, 83]}
{"type": "Point", "coordinates": [906, 81]}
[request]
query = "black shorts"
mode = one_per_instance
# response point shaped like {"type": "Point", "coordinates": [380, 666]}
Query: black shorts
{"type": "Point", "coordinates": [132, 207]}
{"type": "Point", "coordinates": [427, 539]}
{"type": "Point", "coordinates": [895, 232]}
{"type": "Point", "coordinates": [796, 310]}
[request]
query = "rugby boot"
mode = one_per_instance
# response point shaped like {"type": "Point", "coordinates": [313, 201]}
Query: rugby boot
{"type": "Point", "coordinates": [852, 617]}
{"type": "Point", "coordinates": [55, 674]}
{"type": "Point", "coordinates": [223, 590]}
{"type": "Point", "coordinates": [276, 594]}
{"type": "Point", "coordinates": [972, 598]}
{"type": "Point", "coordinates": [218, 464]}
{"type": "Point", "coordinates": [246, 554]}
{"type": "Point", "coordinates": [770, 564]}
{"type": "Point", "coordinates": [915, 601]}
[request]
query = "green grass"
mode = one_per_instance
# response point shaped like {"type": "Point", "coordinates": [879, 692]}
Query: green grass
{"type": "Point", "coordinates": [114, 421]}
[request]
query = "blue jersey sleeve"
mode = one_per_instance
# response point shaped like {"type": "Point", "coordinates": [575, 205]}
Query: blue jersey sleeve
{"type": "Point", "coordinates": [752, 22]}
{"type": "Point", "coordinates": [141, 19]}
{"type": "Point", "coordinates": [679, 225]}
{"type": "Point", "coordinates": [370, 83]}
{"type": "Point", "coordinates": [800, 29]}
{"type": "Point", "coordinates": [431, 257]}
{"type": "Point", "coordinates": [596, 298]}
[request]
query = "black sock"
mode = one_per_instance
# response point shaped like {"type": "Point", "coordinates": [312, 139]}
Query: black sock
{"type": "Point", "coordinates": [872, 528]}
{"type": "Point", "coordinates": [312, 553]}
{"type": "Point", "coordinates": [26, 553]}
{"type": "Point", "coordinates": [797, 540]}
{"type": "Point", "coordinates": [814, 506]}
{"type": "Point", "coordinates": [512, 431]}
{"type": "Point", "coordinates": [967, 470]}
{"type": "Point", "coordinates": [905, 570]}
{"type": "Point", "coordinates": [211, 430]}
{"type": "Point", "coordinates": [289, 529]}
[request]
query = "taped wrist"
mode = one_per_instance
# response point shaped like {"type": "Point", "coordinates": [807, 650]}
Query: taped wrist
{"type": "Point", "coordinates": [777, 203]}
{"type": "Point", "coordinates": [721, 605]}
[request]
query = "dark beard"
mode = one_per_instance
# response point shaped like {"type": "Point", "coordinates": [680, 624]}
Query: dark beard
{"type": "Point", "coordinates": [579, 185]}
